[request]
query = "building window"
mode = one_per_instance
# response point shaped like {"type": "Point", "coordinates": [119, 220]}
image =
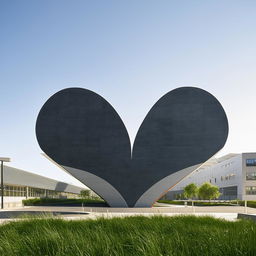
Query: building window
{"type": "Point", "coordinates": [251, 162]}
{"type": "Point", "coordinates": [250, 190]}
{"type": "Point", "coordinates": [231, 176]}
{"type": "Point", "coordinates": [10, 190]}
{"type": "Point", "coordinates": [14, 190]}
{"type": "Point", "coordinates": [251, 176]}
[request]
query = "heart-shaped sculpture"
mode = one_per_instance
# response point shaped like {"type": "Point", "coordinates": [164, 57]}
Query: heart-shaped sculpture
{"type": "Point", "coordinates": [82, 132]}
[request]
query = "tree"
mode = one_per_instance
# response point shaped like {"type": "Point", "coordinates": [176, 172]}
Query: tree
{"type": "Point", "coordinates": [208, 191]}
{"type": "Point", "coordinates": [177, 196]}
{"type": "Point", "coordinates": [191, 191]}
{"type": "Point", "coordinates": [85, 193]}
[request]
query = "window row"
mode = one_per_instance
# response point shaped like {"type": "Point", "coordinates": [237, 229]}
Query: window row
{"type": "Point", "coordinates": [227, 177]}
{"type": "Point", "coordinates": [251, 176]}
{"type": "Point", "coordinates": [14, 191]}
{"type": "Point", "coordinates": [250, 190]}
{"type": "Point", "coordinates": [251, 162]}
{"type": "Point", "coordinates": [10, 190]}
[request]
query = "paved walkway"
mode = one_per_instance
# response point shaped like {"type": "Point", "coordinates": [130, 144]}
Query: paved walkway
{"type": "Point", "coordinates": [225, 212]}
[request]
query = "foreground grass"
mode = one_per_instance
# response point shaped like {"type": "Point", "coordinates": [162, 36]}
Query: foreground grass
{"type": "Point", "coordinates": [129, 236]}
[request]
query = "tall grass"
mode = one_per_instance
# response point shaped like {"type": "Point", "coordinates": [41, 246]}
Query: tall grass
{"type": "Point", "coordinates": [129, 236]}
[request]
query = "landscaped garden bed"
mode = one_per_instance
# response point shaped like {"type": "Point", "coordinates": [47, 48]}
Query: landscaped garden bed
{"type": "Point", "coordinates": [63, 202]}
{"type": "Point", "coordinates": [198, 203]}
{"type": "Point", "coordinates": [210, 203]}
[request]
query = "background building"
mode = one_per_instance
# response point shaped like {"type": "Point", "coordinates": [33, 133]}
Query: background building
{"type": "Point", "coordinates": [20, 184]}
{"type": "Point", "coordinates": [234, 174]}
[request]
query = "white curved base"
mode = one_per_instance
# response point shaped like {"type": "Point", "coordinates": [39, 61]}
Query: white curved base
{"type": "Point", "coordinates": [162, 186]}
{"type": "Point", "coordinates": [99, 185]}
{"type": "Point", "coordinates": [114, 198]}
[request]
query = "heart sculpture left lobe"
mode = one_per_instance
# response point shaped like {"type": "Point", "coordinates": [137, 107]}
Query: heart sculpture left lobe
{"type": "Point", "coordinates": [81, 131]}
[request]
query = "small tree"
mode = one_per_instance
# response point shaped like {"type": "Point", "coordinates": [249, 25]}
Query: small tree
{"type": "Point", "coordinates": [191, 191]}
{"type": "Point", "coordinates": [208, 191]}
{"type": "Point", "coordinates": [177, 196]}
{"type": "Point", "coordinates": [182, 197]}
{"type": "Point", "coordinates": [85, 193]}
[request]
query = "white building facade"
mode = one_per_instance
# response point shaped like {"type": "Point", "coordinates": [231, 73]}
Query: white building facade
{"type": "Point", "coordinates": [234, 174]}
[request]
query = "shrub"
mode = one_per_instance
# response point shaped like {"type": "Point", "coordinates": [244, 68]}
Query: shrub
{"type": "Point", "coordinates": [63, 202]}
{"type": "Point", "coordinates": [191, 191]}
{"type": "Point", "coordinates": [208, 191]}
{"type": "Point", "coordinates": [85, 193]}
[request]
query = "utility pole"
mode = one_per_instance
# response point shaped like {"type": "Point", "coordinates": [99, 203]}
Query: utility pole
{"type": "Point", "coordinates": [3, 159]}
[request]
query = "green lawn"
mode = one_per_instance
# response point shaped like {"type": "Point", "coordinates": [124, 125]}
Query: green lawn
{"type": "Point", "coordinates": [156, 236]}
{"type": "Point", "coordinates": [249, 203]}
{"type": "Point", "coordinates": [198, 203]}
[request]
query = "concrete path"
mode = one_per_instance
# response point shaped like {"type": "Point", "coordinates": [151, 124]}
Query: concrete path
{"type": "Point", "coordinates": [72, 213]}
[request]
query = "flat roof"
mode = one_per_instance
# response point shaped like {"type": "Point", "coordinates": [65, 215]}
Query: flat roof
{"type": "Point", "coordinates": [20, 177]}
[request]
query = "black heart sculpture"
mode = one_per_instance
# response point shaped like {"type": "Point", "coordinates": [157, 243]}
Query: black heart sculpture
{"type": "Point", "coordinates": [82, 132]}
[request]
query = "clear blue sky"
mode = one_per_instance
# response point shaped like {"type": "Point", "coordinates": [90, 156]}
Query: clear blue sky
{"type": "Point", "coordinates": [131, 53]}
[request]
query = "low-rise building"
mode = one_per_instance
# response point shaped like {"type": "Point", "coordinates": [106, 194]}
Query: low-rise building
{"type": "Point", "coordinates": [20, 184]}
{"type": "Point", "coordinates": [234, 174]}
